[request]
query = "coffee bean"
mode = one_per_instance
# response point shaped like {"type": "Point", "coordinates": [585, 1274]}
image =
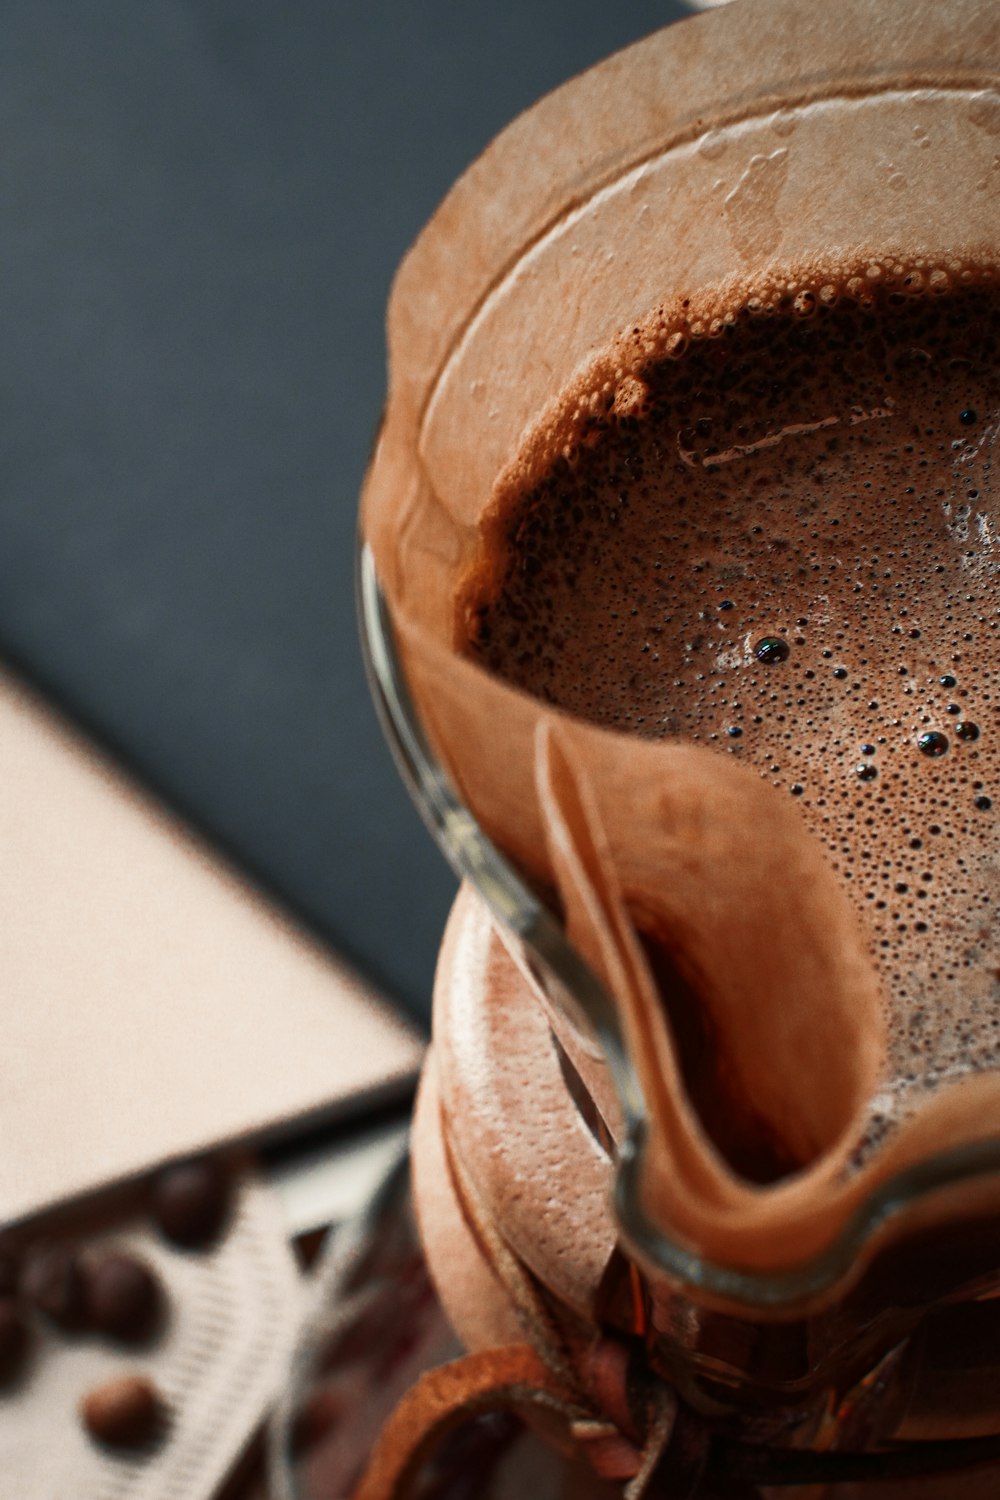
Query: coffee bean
{"type": "Point", "coordinates": [123, 1413]}
{"type": "Point", "coordinates": [191, 1202]}
{"type": "Point", "coordinates": [123, 1297]}
{"type": "Point", "coordinates": [13, 1339]}
{"type": "Point", "coordinates": [52, 1281]}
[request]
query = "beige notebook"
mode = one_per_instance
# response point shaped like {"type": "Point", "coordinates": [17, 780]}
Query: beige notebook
{"type": "Point", "coordinates": [151, 1002]}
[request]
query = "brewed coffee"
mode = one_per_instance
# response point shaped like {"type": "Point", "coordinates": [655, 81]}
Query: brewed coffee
{"type": "Point", "coordinates": [769, 525]}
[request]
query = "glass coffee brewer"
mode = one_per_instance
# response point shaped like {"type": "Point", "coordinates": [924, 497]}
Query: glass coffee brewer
{"type": "Point", "coordinates": [624, 1270]}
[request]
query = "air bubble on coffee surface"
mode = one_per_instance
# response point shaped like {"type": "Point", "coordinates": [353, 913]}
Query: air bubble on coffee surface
{"type": "Point", "coordinates": [775, 535]}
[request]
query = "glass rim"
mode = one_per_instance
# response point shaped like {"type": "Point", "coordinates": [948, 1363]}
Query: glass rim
{"type": "Point", "coordinates": [518, 909]}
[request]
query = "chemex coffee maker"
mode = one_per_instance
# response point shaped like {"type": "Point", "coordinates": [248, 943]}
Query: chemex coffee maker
{"type": "Point", "coordinates": [613, 1272]}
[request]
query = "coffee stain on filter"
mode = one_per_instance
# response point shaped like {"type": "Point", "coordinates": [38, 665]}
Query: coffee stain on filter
{"type": "Point", "coordinates": [751, 207]}
{"type": "Point", "coordinates": [984, 111]}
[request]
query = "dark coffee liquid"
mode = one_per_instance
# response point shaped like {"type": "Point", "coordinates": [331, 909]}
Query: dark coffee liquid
{"type": "Point", "coordinates": [783, 544]}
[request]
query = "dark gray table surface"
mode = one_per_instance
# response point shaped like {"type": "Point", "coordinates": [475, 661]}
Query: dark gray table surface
{"type": "Point", "coordinates": [201, 207]}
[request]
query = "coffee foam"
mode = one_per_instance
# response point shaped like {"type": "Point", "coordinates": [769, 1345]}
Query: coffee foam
{"type": "Point", "coordinates": [807, 462]}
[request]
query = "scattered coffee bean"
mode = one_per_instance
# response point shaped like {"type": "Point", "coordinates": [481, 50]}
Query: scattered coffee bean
{"type": "Point", "coordinates": [13, 1339]}
{"type": "Point", "coordinates": [123, 1297]}
{"type": "Point", "coordinates": [191, 1202]}
{"type": "Point", "coordinates": [52, 1281]}
{"type": "Point", "coordinates": [123, 1413]}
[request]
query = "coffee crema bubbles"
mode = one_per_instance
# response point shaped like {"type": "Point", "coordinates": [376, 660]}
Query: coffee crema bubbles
{"type": "Point", "coordinates": [770, 526]}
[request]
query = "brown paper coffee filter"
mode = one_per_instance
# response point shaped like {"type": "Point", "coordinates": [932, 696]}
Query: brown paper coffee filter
{"type": "Point", "coordinates": [730, 151]}
{"type": "Point", "coordinates": [787, 1006]}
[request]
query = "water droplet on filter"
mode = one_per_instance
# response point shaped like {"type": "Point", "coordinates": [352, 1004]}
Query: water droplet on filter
{"type": "Point", "coordinates": [734, 731]}
{"type": "Point", "coordinates": [864, 772]}
{"type": "Point", "coordinates": [712, 145]}
{"type": "Point", "coordinates": [840, 673]}
{"type": "Point", "coordinates": [948, 680]}
{"type": "Point", "coordinates": [867, 749]}
{"type": "Point", "coordinates": [967, 730]}
{"type": "Point", "coordinates": [967, 417]}
{"type": "Point", "coordinates": [772, 649]}
{"type": "Point", "coordinates": [797, 789]}
{"type": "Point", "coordinates": [984, 803]}
{"type": "Point", "coordinates": [933, 743]}
{"type": "Point", "coordinates": [726, 604]}
{"type": "Point", "coordinates": [953, 708]}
